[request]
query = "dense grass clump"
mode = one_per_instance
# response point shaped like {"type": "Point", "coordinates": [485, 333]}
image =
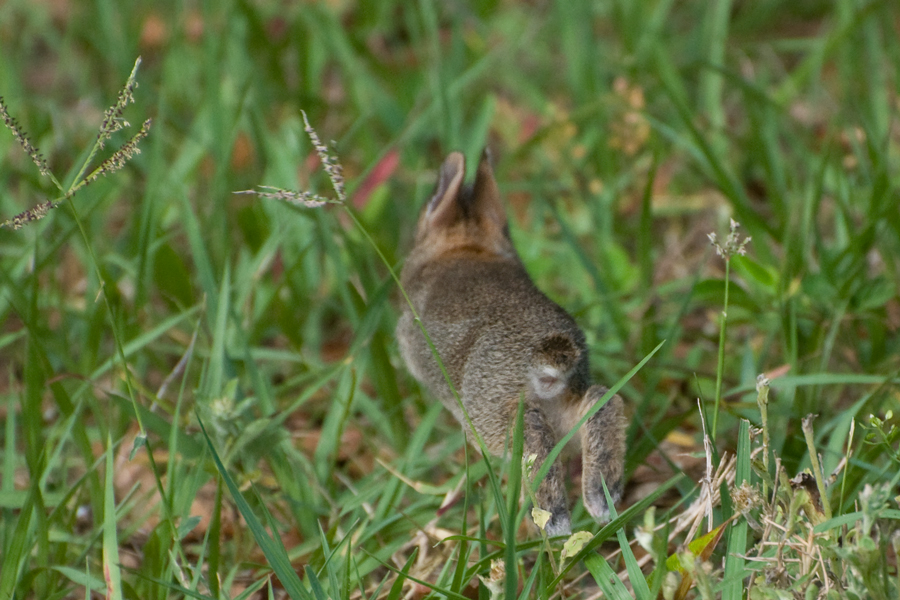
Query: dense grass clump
{"type": "Point", "coordinates": [202, 388]}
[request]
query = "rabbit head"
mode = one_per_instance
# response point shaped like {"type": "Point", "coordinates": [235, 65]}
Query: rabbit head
{"type": "Point", "coordinates": [464, 220]}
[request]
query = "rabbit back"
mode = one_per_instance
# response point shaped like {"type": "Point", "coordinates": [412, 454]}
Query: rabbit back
{"type": "Point", "coordinates": [499, 338]}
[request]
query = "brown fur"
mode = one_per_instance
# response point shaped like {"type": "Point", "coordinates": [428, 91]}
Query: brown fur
{"type": "Point", "coordinates": [501, 339]}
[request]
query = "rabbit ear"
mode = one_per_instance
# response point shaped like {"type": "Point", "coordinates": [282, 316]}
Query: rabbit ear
{"type": "Point", "coordinates": [486, 193]}
{"type": "Point", "coordinates": [443, 208]}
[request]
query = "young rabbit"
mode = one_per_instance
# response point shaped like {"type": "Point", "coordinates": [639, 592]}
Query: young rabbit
{"type": "Point", "coordinates": [501, 339]}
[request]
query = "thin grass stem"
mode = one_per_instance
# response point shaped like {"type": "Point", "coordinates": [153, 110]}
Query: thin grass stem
{"type": "Point", "coordinates": [720, 363]}
{"type": "Point", "coordinates": [731, 246]}
{"type": "Point", "coordinates": [762, 401]}
{"type": "Point", "coordinates": [816, 466]}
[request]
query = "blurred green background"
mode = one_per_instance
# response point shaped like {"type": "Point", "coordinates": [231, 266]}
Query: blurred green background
{"type": "Point", "coordinates": [623, 132]}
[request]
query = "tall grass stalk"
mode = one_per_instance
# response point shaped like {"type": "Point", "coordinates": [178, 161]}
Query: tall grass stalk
{"type": "Point", "coordinates": [762, 402]}
{"type": "Point", "coordinates": [720, 360]}
{"type": "Point", "coordinates": [732, 246]}
{"type": "Point", "coordinates": [112, 121]}
{"type": "Point", "coordinates": [816, 465]}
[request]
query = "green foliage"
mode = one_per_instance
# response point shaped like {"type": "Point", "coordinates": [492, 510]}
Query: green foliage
{"type": "Point", "coordinates": [624, 131]}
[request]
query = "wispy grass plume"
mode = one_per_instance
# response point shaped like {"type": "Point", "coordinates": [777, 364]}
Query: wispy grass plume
{"type": "Point", "coordinates": [297, 198]}
{"type": "Point", "coordinates": [112, 118]}
{"type": "Point", "coordinates": [22, 137]}
{"type": "Point", "coordinates": [330, 164]}
{"type": "Point", "coordinates": [112, 122]}
{"type": "Point", "coordinates": [121, 156]}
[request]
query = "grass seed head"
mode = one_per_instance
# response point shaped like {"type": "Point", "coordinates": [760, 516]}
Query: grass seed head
{"type": "Point", "coordinates": [307, 199]}
{"type": "Point", "coordinates": [122, 155]}
{"type": "Point", "coordinates": [329, 163]}
{"type": "Point", "coordinates": [112, 118]}
{"type": "Point", "coordinates": [23, 140]}
{"type": "Point", "coordinates": [36, 213]}
{"type": "Point", "coordinates": [745, 497]}
{"type": "Point", "coordinates": [733, 243]}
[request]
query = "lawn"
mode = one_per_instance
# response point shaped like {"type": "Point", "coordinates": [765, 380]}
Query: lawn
{"type": "Point", "coordinates": [201, 391]}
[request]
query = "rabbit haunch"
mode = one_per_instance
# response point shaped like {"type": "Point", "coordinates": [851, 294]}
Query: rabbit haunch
{"type": "Point", "coordinates": [501, 339]}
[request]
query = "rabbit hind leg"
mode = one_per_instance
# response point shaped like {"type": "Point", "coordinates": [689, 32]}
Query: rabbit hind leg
{"type": "Point", "coordinates": [551, 492]}
{"type": "Point", "coordinates": [603, 451]}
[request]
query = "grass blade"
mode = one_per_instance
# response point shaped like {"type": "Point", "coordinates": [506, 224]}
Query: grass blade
{"type": "Point", "coordinates": [111, 571]}
{"type": "Point", "coordinates": [273, 551]}
{"type": "Point", "coordinates": [606, 578]}
{"type": "Point", "coordinates": [429, 585]}
{"type": "Point", "coordinates": [607, 530]}
{"type": "Point", "coordinates": [317, 589]}
{"type": "Point", "coordinates": [735, 570]}
{"type": "Point", "coordinates": [635, 575]}
{"type": "Point", "coordinates": [20, 542]}
{"type": "Point", "coordinates": [397, 587]}
{"type": "Point", "coordinates": [514, 487]}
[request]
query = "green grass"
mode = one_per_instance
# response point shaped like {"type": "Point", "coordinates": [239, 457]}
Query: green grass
{"type": "Point", "coordinates": [155, 299]}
